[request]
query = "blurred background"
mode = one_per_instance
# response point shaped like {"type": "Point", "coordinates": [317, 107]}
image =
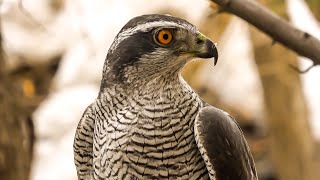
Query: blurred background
{"type": "Point", "coordinates": [51, 58]}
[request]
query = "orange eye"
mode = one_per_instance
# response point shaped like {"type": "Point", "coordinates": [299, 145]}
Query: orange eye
{"type": "Point", "coordinates": [164, 37]}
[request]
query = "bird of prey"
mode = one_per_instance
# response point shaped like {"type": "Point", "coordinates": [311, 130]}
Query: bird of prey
{"type": "Point", "coordinates": [147, 123]}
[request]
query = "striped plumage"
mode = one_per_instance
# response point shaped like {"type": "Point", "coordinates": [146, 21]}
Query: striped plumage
{"type": "Point", "coordinates": [151, 134]}
{"type": "Point", "coordinates": [83, 143]}
{"type": "Point", "coordinates": [142, 124]}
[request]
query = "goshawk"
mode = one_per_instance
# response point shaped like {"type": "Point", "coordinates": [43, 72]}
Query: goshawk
{"type": "Point", "coordinates": [147, 123]}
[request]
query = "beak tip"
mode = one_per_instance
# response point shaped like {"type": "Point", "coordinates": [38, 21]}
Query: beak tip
{"type": "Point", "coordinates": [215, 60]}
{"type": "Point", "coordinates": [213, 51]}
{"type": "Point", "coordinates": [215, 56]}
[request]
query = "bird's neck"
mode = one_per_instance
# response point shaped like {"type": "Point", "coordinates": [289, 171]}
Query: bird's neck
{"type": "Point", "coordinates": [167, 86]}
{"type": "Point", "coordinates": [145, 73]}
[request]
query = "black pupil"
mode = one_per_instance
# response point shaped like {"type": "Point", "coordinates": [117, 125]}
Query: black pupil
{"type": "Point", "coordinates": [165, 36]}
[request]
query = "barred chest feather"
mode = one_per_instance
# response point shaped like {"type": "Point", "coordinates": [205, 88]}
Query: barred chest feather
{"type": "Point", "coordinates": [147, 135]}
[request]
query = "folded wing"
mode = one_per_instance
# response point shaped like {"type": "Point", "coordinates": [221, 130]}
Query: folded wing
{"type": "Point", "coordinates": [223, 146]}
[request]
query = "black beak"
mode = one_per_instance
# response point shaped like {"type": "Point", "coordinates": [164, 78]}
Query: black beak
{"type": "Point", "coordinates": [210, 50]}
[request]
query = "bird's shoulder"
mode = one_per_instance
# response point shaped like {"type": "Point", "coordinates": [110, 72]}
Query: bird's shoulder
{"type": "Point", "coordinates": [87, 119]}
{"type": "Point", "coordinates": [223, 145]}
{"type": "Point", "coordinates": [83, 143]}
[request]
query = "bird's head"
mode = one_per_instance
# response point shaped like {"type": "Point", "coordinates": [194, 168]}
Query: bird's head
{"type": "Point", "coordinates": [154, 45]}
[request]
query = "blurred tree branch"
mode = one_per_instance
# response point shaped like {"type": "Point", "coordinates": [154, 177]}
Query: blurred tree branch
{"type": "Point", "coordinates": [277, 28]}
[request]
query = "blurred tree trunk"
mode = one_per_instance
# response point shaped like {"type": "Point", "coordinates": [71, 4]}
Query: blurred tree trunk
{"type": "Point", "coordinates": [291, 140]}
{"type": "Point", "coordinates": [15, 130]}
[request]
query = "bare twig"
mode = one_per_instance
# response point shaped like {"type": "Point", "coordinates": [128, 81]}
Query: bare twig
{"type": "Point", "coordinates": [217, 11]}
{"type": "Point", "coordinates": [302, 71]}
{"type": "Point", "coordinates": [277, 28]}
{"type": "Point", "coordinates": [214, 14]}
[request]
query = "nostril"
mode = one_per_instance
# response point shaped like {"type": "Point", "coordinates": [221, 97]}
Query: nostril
{"type": "Point", "coordinates": [200, 41]}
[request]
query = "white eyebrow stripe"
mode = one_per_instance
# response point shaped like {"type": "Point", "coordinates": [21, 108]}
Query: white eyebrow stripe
{"type": "Point", "coordinates": [144, 28]}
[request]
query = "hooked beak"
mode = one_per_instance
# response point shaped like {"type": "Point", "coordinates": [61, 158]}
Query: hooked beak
{"type": "Point", "coordinates": [208, 50]}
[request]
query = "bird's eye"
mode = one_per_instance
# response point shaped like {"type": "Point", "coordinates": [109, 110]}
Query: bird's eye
{"type": "Point", "coordinates": [163, 37]}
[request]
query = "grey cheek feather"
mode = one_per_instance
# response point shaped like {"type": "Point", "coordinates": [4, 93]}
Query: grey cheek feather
{"type": "Point", "coordinates": [184, 39]}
